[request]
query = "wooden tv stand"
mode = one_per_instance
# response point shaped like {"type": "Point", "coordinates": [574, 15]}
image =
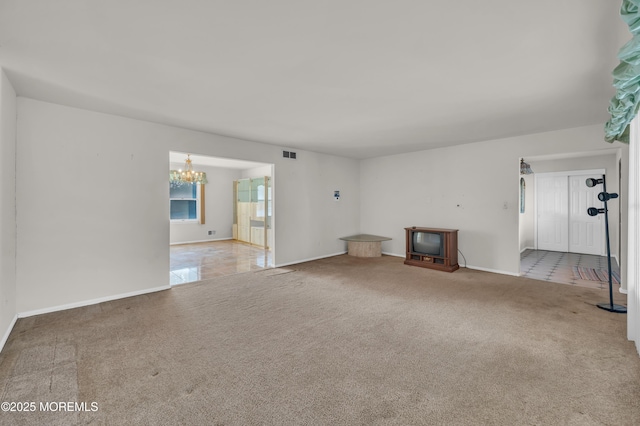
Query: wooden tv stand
{"type": "Point", "coordinates": [447, 262]}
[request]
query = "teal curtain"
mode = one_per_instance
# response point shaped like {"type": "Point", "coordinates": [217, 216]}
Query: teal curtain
{"type": "Point", "coordinates": [626, 78]}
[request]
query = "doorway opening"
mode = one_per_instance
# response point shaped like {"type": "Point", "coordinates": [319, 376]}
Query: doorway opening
{"type": "Point", "coordinates": [558, 241]}
{"type": "Point", "coordinates": [204, 245]}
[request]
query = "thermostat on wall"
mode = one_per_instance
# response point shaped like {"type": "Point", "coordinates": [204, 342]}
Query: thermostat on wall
{"type": "Point", "coordinates": [336, 195]}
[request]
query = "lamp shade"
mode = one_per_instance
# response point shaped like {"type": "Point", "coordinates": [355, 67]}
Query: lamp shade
{"type": "Point", "coordinates": [591, 182]}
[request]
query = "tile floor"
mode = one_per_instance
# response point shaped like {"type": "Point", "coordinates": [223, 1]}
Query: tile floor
{"type": "Point", "coordinates": [558, 267]}
{"type": "Point", "coordinates": [201, 261]}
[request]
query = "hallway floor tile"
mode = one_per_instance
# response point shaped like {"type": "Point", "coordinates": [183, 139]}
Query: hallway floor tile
{"type": "Point", "coordinates": [558, 267]}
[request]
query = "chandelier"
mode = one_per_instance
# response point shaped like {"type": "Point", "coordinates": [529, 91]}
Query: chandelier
{"type": "Point", "coordinates": [180, 177]}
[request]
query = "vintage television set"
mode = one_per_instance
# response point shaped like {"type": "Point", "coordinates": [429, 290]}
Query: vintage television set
{"type": "Point", "coordinates": [432, 248]}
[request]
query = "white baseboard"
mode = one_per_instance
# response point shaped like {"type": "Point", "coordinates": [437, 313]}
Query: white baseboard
{"type": "Point", "coordinates": [200, 241]}
{"type": "Point", "coordinates": [525, 249]}
{"type": "Point", "coordinates": [280, 265]}
{"type": "Point", "coordinates": [8, 332]}
{"type": "Point", "coordinates": [90, 302]}
{"type": "Point", "coordinates": [394, 254]}
{"type": "Point", "coordinates": [495, 271]}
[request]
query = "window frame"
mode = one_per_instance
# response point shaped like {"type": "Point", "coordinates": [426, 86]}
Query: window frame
{"type": "Point", "coordinates": [199, 200]}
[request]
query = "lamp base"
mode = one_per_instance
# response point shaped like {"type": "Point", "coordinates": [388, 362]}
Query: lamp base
{"type": "Point", "coordinates": [613, 308]}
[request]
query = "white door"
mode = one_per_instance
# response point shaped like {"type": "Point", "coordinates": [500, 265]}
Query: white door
{"type": "Point", "coordinates": [585, 232]}
{"type": "Point", "coordinates": [562, 220]}
{"type": "Point", "coordinates": [552, 209]}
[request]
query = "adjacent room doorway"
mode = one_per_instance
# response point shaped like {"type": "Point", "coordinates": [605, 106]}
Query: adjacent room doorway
{"type": "Point", "coordinates": [206, 246]}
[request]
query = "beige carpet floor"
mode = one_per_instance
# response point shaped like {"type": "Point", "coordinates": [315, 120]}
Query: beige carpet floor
{"type": "Point", "coordinates": [342, 340]}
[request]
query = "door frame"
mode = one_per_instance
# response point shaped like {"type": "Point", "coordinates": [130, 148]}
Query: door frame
{"type": "Point", "coordinates": [568, 173]}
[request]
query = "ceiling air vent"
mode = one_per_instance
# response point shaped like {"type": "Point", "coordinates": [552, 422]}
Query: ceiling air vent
{"type": "Point", "coordinates": [289, 154]}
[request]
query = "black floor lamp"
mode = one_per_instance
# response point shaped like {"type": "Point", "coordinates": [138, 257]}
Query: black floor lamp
{"type": "Point", "coordinates": [604, 196]}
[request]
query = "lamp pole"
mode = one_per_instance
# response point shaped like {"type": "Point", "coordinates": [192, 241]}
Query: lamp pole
{"type": "Point", "coordinates": [604, 196]}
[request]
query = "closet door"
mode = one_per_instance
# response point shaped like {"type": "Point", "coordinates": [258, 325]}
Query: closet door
{"type": "Point", "coordinates": [562, 220]}
{"type": "Point", "coordinates": [585, 232]}
{"type": "Point", "coordinates": [552, 210]}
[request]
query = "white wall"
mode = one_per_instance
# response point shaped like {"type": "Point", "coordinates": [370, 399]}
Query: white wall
{"type": "Point", "coordinates": [257, 172]}
{"type": "Point", "coordinates": [218, 207]}
{"type": "Point", "coordinates": [462, 187]}
{"type": "Point", "coordinates": [8, 309]}
{"type": "Point", "coordinates": [92, 212]}
{"type": "Point", "coordinates": [107, 233]}
{"type": "Point", "coordinates": [305, 207]}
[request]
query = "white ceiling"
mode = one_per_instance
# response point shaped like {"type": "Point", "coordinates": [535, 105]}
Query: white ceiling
{"type": "Point", "coordinates": [358, 78]}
